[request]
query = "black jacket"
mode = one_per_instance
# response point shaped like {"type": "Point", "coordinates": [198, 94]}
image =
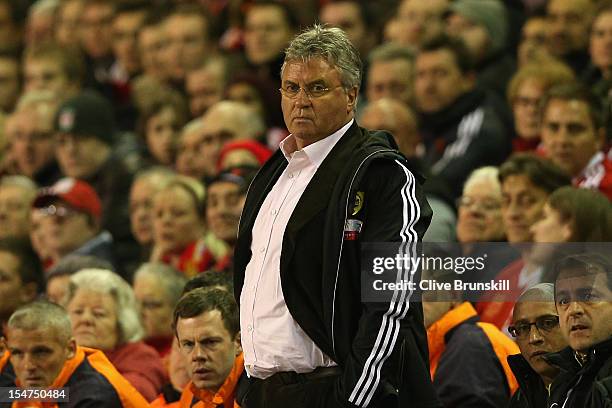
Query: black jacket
{"type": "Point", "coordinates": [321, 272]}
{"type": "Point", "coordinates": [582, 386]}
{"type": "Point", "coordinates": [531, 393]}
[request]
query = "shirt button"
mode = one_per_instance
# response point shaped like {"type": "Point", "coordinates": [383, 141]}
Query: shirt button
{"type": "Point", "coordinates": [262, 250]}
{"type": "Point", "coordinates": [274, 212]}
{"type": "Point", "coordinates": [250, 328]}
{"type": "Point", "coordinates": [290, 175]}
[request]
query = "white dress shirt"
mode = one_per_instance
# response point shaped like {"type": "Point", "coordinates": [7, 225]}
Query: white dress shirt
{"type": "Point", "coordinates": [271, 340]}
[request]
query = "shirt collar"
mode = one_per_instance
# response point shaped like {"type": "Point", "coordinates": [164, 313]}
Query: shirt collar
{"type": "Point", "coordinates": [318, 151]}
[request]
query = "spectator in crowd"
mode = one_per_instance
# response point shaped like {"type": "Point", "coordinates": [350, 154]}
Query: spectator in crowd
{"type": "Point", "coordinates": [205, 85]}
{"type": "Point", "coordinates": [53, 67]}
{"type": "Point", "coordinates": [16, 196]}
{"type": "Point", "coordinates": [85, 134]}
{"type": "Point", "coordinates": [160, 125]}
{"type": "Point", "coordinates": [240, 153]}
{"type": "Point", "coordinates": [207, 327]}
{"type": "Point", "coordinates": [535, 326]}
{"type": "Point", "coordinates": [569, 22]}
{"type": "Point", "coordinates": [417, 22]}
{"type": "Point", "coordinates": [483, 27]}
{"type": "Point", "coordinates": [157, 288]}
{"type": "Point", "coordinates": [74, 211]}
{"type": "Point", "coordinates": [180, 238]}
{"type": "Point", "coordinates": [467, 358]}
{"type": "Point", "coordinates": [583, 295]}
{"type": "Point", "coordinates": [44, 354]}
{"type": "Point", "coordinates": [189, 44]}
{"type": "Point", "coordinates": [354, 19]}
{"type": "Point", "coordinates": [21, 277]}
{"type": "Point", "coordinates": [151, 43]}
{"type": "Point", "coordinates": [390, 73]}
{"type": "Point", "coordinates": [600, 42]}
{"type": "Point", "coordinates": [58, 277]}
{"type": "Point", "coordinates": [11, 21]}
{"type": "Point", "coordinates": [178, 376]}
{"type": "Point", "coordinates": [533, 44]}
{"type": "Point", "coordinates": [10, 81]}
{"type": "Point", "coordinates": [526, 183]}
{"type": "Point", "coordinates": [96, 35]}
{"type": "Point", "coordinates": [104, 315]}
{"type": "Point", "coordinates": [126, 24]}
{"type": "Point", "coordinates": [460, 129]}
{"type": "Point", "coordinates": [480, 217]}
{"type": "Point", "coordinates": [268, 28]}
{"type": "Point", "coordinates": [30, 134]}
{"type": "Point", "coordinates": [40, 236]}
{"type": "Point", "coordinates": [203, 138]}
{"type": "Point", "coordinates": [146, 184]}
{"type": "Point", "coordinates": [67, 23]}
{"type": "Point", "coordinates": [40, 22]}
{"type": "Point", "coordinates": [574, 215]}
{"type": "Point", "coordinates": [220, 280]}
{"type": "Point", "coordinates": [573, 135]}
{"type": "Point", "coordinates": [525, 92]}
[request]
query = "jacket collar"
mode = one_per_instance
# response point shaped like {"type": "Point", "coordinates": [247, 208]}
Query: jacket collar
{"type": "Point", "coordinates": [438, 331]}
{"type": "Point", "coordinates": [226, 393]}
{"type": "Point", "coordinates": [566, 359]}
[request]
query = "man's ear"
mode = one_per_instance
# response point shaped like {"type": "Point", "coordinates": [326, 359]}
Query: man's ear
{"type": "Point", "coordinates": [237, 344]}
{"type": "Point", "coordinates": [71, 346]}
{"type": "Point", "coordinates": [352, 95]}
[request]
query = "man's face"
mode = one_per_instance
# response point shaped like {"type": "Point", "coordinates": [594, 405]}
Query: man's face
{"type": "Point", "coordinates": [534, 36]}
{"type": "Point", "coordinates": [475, 36]}
{"type": "Point", "coordinates": [537, 342]}
{"type": "Point", "coordinates": [151, 45]}
{"type": "Point", "coordinates": [125, 35]}
{"type": "Point", "coordinates": [80, 156]}
{"type": "Point", "coordinates": [601, 43]}
{"type": "Point", "coordinates": [209, 348]}
{"type": "Point", "coordinates": [13, 293]}
{"type": "Point", "coordinates": [390, 79]}
{"type": "Point", "coordinates": [347, 16]}
{"type": "Point", "coordinates": [38, 355]}
{"type": "Point", "coordinates": [522, 204]}
{"type": "Point", "coordinates": [205, 88]}
{"type": "Point", "coordinates": [31, 141]}
{"type": "Point", "coordinates": [223, 208]}
{"type": "Point", "coordinates": [266, 35]}
{"type": "Point", "coordinates": [312, 119]}
{"type": "Point", "coordinates": [66, 31]}
{"type": "Point", "coordinates": [584, 304]}
{"type": "Point", "coordinates": [525, 107]}
{"type": "Point", "coordinates": [569, 22]}
{"type": "Point", "coordinates": [155, 307]}
{"type": "Point", "coordinates": [69, 228]}
{"type": "Point", "coordinates": [438, 80]}
{"type": "Point", "coordinates": [15, 204]}
{"type": "Point", "coordinates": [480, 217]}
{"type": "Point", "coordinates": [569, 135]}
{"type": "Point", "coordinates": [420, 21]}
{"type": "Point", "coordinates": [96, 29]}
{"type": "Point", "coordinates": [9, 83]}
{"type": "Point", "coordinates": [187, 46]}
{"type": "Point", "coordinates": [199, 149]}
{"type": "Point", "coordinates": [46, 74]}
{"type": "Point", "coordinates": [141, 210]}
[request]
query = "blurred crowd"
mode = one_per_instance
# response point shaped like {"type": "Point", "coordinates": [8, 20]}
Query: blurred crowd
{"type": "Point", "coordinates": [130, 131]}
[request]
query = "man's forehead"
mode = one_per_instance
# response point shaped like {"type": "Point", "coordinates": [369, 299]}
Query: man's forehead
{"type": "Point", "coordinates": [25, 338]}
{"type": "Point", "coordinates": [309, 70]}
{"type": "Point", "coordinates": [206, 324]}
{"type": "Point", "coordinates": [531, 310]}
{"type": "Point", "coordinates": [576, 278]}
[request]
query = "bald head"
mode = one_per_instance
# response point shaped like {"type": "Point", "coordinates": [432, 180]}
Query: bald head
{"type": "Point", "coordinates": [234, 118]}
{"type": "Point", "coordinates": [396, 118]}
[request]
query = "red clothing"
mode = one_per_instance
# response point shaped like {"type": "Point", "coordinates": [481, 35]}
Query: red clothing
{"type": "Point", "coordinates": [141, 365]}
{"type": "Point", "coordinates": [597, 175]}
{"type": "Point", "coordinates": [520, 145]}
{"type": "Point", "coordinates": [162, 345]}
{"type": "Point", "coordinates": [223, 397]}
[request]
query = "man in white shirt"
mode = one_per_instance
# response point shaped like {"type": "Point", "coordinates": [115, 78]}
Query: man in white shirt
{"type": "Point", "coordinates": [308, 338]}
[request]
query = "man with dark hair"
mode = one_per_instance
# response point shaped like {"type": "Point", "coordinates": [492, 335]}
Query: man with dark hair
{"type": "Point", "coordinates": [220, 280]}
{"type": "Point", "coordinates": [354, 18]}
{"type": "Point", "coordinates": [391, 74]}
{"type": "Point", "coordinates": [54, 68]}
{"type": "Point", "coordinates": [460, 128]}
{"type": "Point", "coordinates": [42, 353]}
{"type": "Point", "coordinates": [573, 136]}
{"type": "Point", "coordinates": [127, 21]}
{"type": "Point", "coordinates": [20, 276]}
{"type": "Point", "coordinates": [583, 295]}
{"type": "Point", "coordinates": [207, 327]}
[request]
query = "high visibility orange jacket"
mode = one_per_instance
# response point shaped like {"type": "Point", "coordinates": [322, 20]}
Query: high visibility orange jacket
{"type": "Point", "coordinates": [92, 382]}
{"type": "Point", "coordinates": [467, 360]}
{"type": "Point", "coordinates": [224, 396]}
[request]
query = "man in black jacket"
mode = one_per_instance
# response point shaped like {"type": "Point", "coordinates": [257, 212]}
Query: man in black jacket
{"type": "Point", "coordinates": [583, 295]}
{"type": "Point", "coordinates": [308, 339]}
{"type": "Point", "coordinates": [535, 325]}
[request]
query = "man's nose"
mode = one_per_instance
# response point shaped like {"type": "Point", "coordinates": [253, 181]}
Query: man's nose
{"type": "Point", "coordinates": [535, 337]}
{"type": "Point", "coordinates": [575, 308]}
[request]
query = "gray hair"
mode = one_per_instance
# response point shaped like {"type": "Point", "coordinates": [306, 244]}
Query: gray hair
{"type": "Point", "coordinates": [391, 52]}
{"type": "Point", "coordinates": [332, 45]}
{"type": "Point", "coordinates": [168, 278]}
{"type": "Point", "coordinates": [109, 283]}
{"type": "Point", "coordinates": [42, 314]}
{"type": "Point", "coordinates": [542, 292]}
{"type": "Point", "coordinates": [487, 174]}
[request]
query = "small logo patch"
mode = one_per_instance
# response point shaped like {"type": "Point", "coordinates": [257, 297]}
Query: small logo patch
{"type": "Point", "coordinates": [66, 120]}
{"type": "Point", "coordinates": [358, 202]}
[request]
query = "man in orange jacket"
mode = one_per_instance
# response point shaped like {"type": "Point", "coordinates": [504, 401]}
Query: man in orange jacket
{"type": "Point", "coordinates": [207, 328]}
{"type": "Point", "coordinates": [41, 353]}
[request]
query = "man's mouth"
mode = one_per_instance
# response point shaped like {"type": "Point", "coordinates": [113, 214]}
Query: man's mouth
{"type": "Point", "coordinates": [578, 328]}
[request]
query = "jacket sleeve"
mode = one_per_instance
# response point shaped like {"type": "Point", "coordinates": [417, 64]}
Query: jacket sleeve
{"type": "Point", "coordinates": [394, 210]}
